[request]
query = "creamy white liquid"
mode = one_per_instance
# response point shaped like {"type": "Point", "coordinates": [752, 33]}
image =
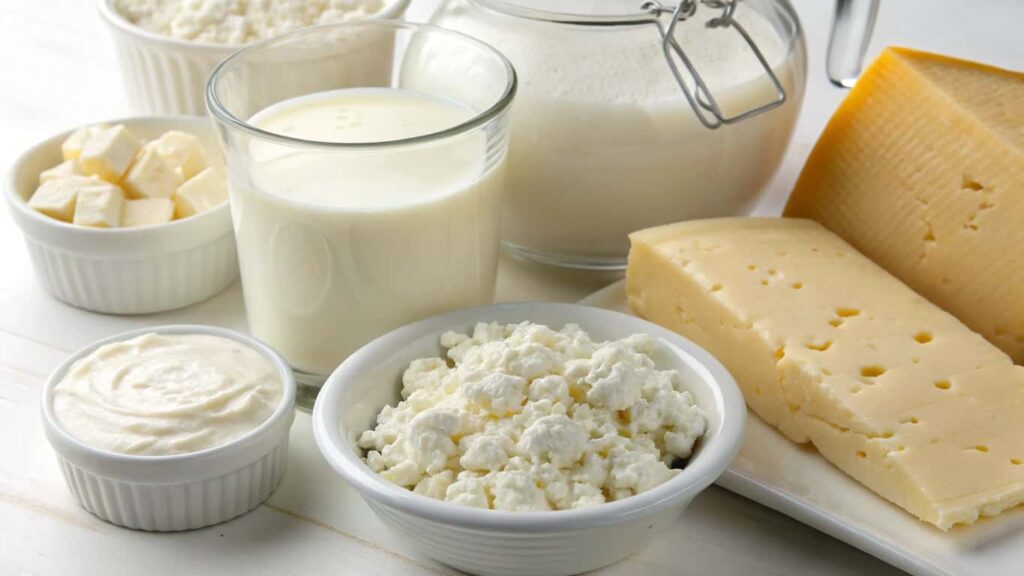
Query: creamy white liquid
{"type": "Point", "coordinates": [339, 246]}
{"type": "Point", "coordinates": [604, 143]}
{"type": "Point", "coordinates": [163, 394]}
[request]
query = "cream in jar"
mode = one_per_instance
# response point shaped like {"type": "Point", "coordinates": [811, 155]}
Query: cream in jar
{"type": "Point", "coordinates": [164, 394]}
{"type": "Point", "coordinates": [603, 141]}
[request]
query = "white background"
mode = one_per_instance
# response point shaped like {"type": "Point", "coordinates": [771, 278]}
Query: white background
{"type": "Point", "coordinates": [59, 72]}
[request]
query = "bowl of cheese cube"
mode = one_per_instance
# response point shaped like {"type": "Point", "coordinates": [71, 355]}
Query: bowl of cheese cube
{"type": "Point", "coordinates": [128, 216]}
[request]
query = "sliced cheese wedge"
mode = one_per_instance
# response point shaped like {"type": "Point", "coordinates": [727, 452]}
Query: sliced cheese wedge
{"type": "Point", "coordinates": [922, 170]}
{"type": "Point", "coordinates": [831, 349]}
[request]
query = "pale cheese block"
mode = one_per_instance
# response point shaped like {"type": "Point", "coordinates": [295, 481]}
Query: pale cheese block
{"type": "Point", "coordinates": [71, 148]}
{"type": "Point", "coordinates": [203, 192]}
{"type": "Point", "coordinates": [922, 170]}
{"type": "Point", "coordinates": [147, 212]}
{"type": "Point", "coordinates": [182, 150]}
{"type": "Point", "coordinates": [99, 206]}
{"type": "Point", "coordinates": [831, 349]}
{"type": "Point", "coordinates": [108, 152]}
{"type": "Point", "coordinates": [150, 176]}
{"type": "Point", "coordinates": [64, 169]}
{"type": "Point", "coordinates": [56, 197]}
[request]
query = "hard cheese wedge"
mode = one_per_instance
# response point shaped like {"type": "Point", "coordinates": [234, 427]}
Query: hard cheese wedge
{"type": "Point", "coordinates": [830, 348]}
{"type": "Point", "coordinates": [922, 170]}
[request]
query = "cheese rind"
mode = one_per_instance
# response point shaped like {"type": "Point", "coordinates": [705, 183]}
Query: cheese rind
{"type": "Point", "coordinates": [922, 170]}
{"type": "Point", "coordinates": [831, 349]}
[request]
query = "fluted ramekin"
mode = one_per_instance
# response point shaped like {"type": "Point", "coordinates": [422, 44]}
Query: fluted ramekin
{"type": "Point", "coordinates": [126, 270]}
{"type": "Point", "coordinates": [503, 543]}
{"type": "Point", "coordinates": [182, 491]}
{"type": "Point", "coordinates": [164, 75]}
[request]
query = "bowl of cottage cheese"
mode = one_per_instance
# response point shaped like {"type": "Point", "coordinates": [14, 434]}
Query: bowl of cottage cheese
{"type": "Point", "coordinates": [168, 48]}
{"type": "Point", "coordinates": [529, 438]}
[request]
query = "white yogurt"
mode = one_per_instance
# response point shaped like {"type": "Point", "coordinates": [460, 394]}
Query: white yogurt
{"type": "Point", "coordinates": [162, 394]}
{"type": "Point", "coordinates": [339, 246]}
{"type": "Point", "coordinates": [603, 142]}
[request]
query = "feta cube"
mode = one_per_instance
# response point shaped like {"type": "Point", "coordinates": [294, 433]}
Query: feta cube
{"type": "Point", "coordinates": [56, 197]}
{"type": "Point", "coordinates": [65, 168]}
{"type": "Point", "coordinates": [147, 212]}
{"type": "Point", "coordinates": [109, 152]}
{"type": "Point", "coordinates": [151, 177]}
{"type": "Point", "coordinates": [72, 146]}
{"type": "Point", "coordinates": [206, 190]}
{"type": "Point", "coordinates": [181, 150]}
{"type": "Point", "coordinates": [99, 206]}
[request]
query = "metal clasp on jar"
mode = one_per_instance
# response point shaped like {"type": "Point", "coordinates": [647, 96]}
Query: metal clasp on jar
{"type": "Point", "coordinates": [696, 91]}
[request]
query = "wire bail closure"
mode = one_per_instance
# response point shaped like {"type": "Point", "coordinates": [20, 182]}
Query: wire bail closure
{"type": "Point", "coordinates": [699, 96]}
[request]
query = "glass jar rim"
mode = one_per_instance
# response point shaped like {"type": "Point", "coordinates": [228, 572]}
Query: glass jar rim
{"type": "Point", "coordinates": [219, 111]}
{"type": "Point", "coordinates": [525, 10]}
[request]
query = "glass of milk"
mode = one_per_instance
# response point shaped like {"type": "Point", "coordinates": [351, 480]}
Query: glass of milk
{"type": "Point", "coordinates": [366, 166]}
{"type": "Point", "coordinates": [604, 141]}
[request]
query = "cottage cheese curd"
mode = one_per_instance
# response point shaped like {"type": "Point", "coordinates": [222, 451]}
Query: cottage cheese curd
{"type": "Point", "coordinates": [162, 394]}
{"type": "Point", "coordinates": [523, 417]}
{"type": "Point", "coordinates": [239, 21]}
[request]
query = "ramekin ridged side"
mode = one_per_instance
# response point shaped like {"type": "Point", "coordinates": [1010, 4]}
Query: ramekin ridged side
{"type": "Point", "coordinates": [181, 491]}
{"type": "Point", "coordinates": [136, 285]}
{"type": "Point", "coordinates": [174, 507]}
{"type": "Point", "coordinates": [164, 75]}
{"type": "Point", "coordinates": [498, 553]}
{"type": "Point", "coordinates": [126, 270]}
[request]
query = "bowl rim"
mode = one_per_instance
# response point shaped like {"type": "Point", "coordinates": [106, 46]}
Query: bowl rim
{"type": "Point", "coordinates": [66, 443]}
{"type": "Point", "coordinates": [20, 203]}
{"type": "Point", "coordinates": [696, 476]}
{"type": "Point", "coordinates": [393, 10]}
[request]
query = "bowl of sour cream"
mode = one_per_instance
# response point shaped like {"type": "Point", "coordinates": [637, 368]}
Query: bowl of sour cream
{"type": "Point", "coordinates": [171, 428]}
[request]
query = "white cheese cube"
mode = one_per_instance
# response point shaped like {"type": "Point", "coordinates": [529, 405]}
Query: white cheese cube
{"type": "Point", "coordinates": [109, 152]}
{"type": "Point", "coordinates": [56, 197]}
{"type": "Point", "coordinates": [99, 206]}
{"type": "Point", "coordinates": [147, 212]}
{"type": "Point", "coordinates": [72, 146]}
{"type": "Point", "coordinates": [151, 177]}
{"type": "Point", "coordinates": [181, 150]}
{"type": "Point", "coordinates": [64, 169]}
{"type": "Point", "coordinates": [206, 190]}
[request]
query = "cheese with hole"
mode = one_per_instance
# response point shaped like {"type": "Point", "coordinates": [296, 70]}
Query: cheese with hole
{"type": "Point", "coordinates": [99, 206]}
{"type": "Point", "coordinates": [922, 170]}
{"type": "Point", "coordinates": [203, 192]}
{"type": "Point", "coordinates": [151, 176]}
{"type": "Point", "coordinates": [108, 152]}
{"type": "Point", "coordinates": [146, 212]}
{"type": "Point", "coordinates": [833, 350]}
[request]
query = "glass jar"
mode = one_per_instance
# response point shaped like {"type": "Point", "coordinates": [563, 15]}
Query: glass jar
{"type": "Point", "coordinates": [615, 130]}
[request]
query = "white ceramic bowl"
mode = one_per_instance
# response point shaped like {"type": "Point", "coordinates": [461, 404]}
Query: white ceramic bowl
{"type": "Point", "coordinates": [164, 75]}
{"type": "Point", "coordinates": [126, 270]}
{"type": "Point", "coordinates": [520, 543]}
{"type": "Point", "coordinates": [183, 491]}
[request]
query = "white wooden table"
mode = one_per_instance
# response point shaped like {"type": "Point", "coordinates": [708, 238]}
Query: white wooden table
{"type": "Point", "coordinates": [59, 72]}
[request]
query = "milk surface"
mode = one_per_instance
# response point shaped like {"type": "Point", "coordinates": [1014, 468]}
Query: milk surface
{"type": "Point", "coordinates": [338, 246]}
{"type": "Point", "coordinates": [603, 141]}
